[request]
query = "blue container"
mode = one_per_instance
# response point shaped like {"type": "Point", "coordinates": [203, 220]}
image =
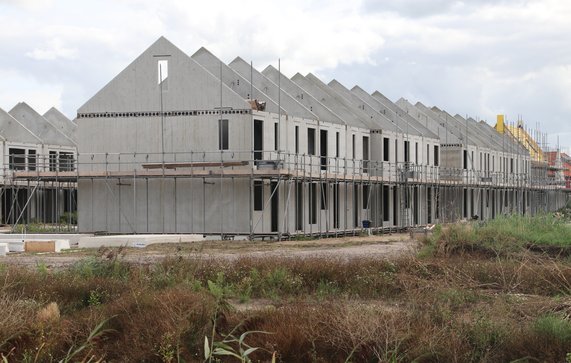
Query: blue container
{"type": "Point", "coordinates": [366, 224]}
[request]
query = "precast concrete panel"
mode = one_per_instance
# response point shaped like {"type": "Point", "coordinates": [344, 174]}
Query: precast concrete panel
{"type": "Point", "coordinates": [188, 86]}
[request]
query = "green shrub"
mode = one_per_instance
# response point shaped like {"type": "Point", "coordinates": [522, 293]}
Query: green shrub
{"type": "Point", "coordinates": [97, 267]}
{"type": "Point", "coordinates": [553, 328]}
{"type": "Point", "coordinates": [502, 235]}
{"type": "Point", "coordinates": [485, 335]}
{"type": "Point", "coordinates": [68, 218]}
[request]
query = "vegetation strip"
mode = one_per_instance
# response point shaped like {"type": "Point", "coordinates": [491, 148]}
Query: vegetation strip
{"type": "Point", "coordinates": [464, 298]}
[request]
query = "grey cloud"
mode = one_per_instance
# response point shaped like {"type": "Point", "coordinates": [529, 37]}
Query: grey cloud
{"type": "Point", "coordinates": [426, 8]}
{"type": "Point", "coordinates": [469, 57]}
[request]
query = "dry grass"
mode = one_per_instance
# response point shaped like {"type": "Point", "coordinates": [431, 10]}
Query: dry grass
{"type": "Point", "coordinates": [461, 308]}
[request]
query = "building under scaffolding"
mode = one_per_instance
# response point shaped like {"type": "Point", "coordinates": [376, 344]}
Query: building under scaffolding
{"type": "Point", "coordinates": [32, 143]}
{"type": "Point", "coordinates": [188, 144]}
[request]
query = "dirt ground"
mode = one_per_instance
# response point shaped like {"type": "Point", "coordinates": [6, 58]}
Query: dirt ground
{"type": "Point", "coordinates": [381, 246]}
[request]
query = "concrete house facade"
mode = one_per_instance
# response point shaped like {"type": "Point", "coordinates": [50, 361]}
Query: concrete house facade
{"type": "Point", "coordinates": [188, 144]}
{"type": "Point", "coordinates": [31, 145]}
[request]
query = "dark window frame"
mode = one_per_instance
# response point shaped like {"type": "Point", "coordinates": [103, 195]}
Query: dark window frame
{"type": "Point", "coordinates": [258, 195]}
{"type": "Point", "coordinates": [310, 141]}
{"type": "Point", "coordinates": [223, 134]}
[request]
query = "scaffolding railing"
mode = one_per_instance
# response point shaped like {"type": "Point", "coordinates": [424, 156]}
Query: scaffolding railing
{"type": "Point", "coordinates": [90, 164]}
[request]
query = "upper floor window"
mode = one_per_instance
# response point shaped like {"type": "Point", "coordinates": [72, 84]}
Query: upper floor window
{"type": "Point", "coordinates": [222, 134]}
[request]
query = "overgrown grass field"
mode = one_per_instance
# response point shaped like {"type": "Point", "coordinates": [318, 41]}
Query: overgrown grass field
{"type": "Point", "coordinates": [475, 293]}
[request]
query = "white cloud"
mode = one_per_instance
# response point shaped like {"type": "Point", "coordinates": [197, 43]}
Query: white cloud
{"type": "Point", "coordinates": [29, 4]}
{"type": "Point", "coordinates": [24, 88]}
{"type": "Point", "coordinates": [476, 57]}
{"type": "Point", "coordinates": [54, 50]}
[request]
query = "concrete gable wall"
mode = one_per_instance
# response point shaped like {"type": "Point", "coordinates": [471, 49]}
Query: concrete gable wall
{"type": "Point", "coordinates": [41, 127]}
{"type": "Point", "coordinates": [231, 79]}
{"type": "Point", "coordinates": [397, 112]}
{"type": "Point", "coordinates": [188, 86]}
{"type": "Point", "coordinates": [303, 97]}
{"type": "Point", "coordinates": [270, 89]}
{"type": "Point", "coordinates": [60, 121]}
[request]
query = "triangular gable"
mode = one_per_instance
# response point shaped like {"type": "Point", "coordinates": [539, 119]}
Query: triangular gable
{"type": "Point", "coordinates": [271, 89]}
{"type": "Point", "coordinates": [448, 134]}
{"type": "Point", "coordinates": [474, 132]}
{"type": "Point", "coordinates": [363, 106]}
{"type": "Point", "coordinates": [188, 86]}
{"type": "Point", "coordinates": [353, 118]}
{"type": "Point", "coordinates": [41, 127]}
{"type": "Point", "coordinates": [505, 144]}
{"type": "Point", "coordinates": [434, 125]}
{"type": "Point", "coordinates": [60, 121]}
{"type": "Point", "coordinates": [13, 131]}
{"type": "Point", "coordinates": [238, 84]}
{"type": "Point", "coordinates": [302, 96]}
{"type": "Point", "coordinates": [393, 110]}
{"type": "Point", "coordinates": [450, 123]}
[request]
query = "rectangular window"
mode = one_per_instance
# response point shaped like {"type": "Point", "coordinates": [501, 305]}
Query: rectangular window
{"type": "Point", "coordinates": [416, 153]}
{"type": "Point", "coordinates": [365, 148]}
{"type": "Point", "coordinates": [323, 148]}
{"type": "Point", "coordinates": [436, 155]}
{"type": "Point", "coordinates": [298, 206]}
{"type": "Point", "coordinates": [465, 159]}
{"type": "Point", "coordinates": [437, 205]}
{"type": "Point", "coordinates": [386, 149]}
{"type": "Point", "coordinates": [465, 203]}
{"type": "Point", "coordinates": [366, 196]}
{"type": "Point", "coordinates": [427, 154]}
{"type": "Point", "coordinates": [396, 151]}
{"type": "Point", "coordinates": [258, 139]}
{"type": "Point", "coordinates": [162, 74]}
{"type": "Point", "coordinates": [17, 159]}
{"type": "Point", "coordinates": [311, 141]}
{"type": "Point", "coordinates": [222, 134]}
{"type": "Point", "coordinates": [162, 70]}
{"type": "Point", "coordinates": [406, 151]}
{"type": "Point", "coordinates": [313, 203]}
{"type": "Point", "coordinates": [511, 165]}
{"type": "Point", "coordinates": [32, 160]}
{"type": "Point", "coordinates": [258, 195]}
{"type": "Point", "coordinates": [353, 146]}
{"type": "Point", "coordinates": [415, 209]}
{"type": "Point", "coordinates": [276, 136]}
{"type": "Point", "coordinates": [335, 205]}
{"type": "Point", "coordinates": [297, 139]}
{"type": "Point", "coordinates": [395, 206]}
{"type": "Point", "coordinates": [356, 212]}
{"type": "Point", "coordinates": [429, 205]}
{"type": "Point", "coordinates": [337, 144]}
{"type": "Point", "coordinates": [386, 204]}
{"type": "Point", "coordinates": [53, 160]}
{"type": "Point", "coordinates": [323, 196]}
{"type": "Point", "coordinates": [365, 154]}
{"type": "Point", "coordinates": [66, 161]}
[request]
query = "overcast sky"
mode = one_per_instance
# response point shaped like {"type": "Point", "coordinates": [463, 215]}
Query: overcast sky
{"type": "Point", "coordinates": [473, 57]}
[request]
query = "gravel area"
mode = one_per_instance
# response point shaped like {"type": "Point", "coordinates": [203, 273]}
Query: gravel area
{"type": "Point", "coordinates": [379, 246]}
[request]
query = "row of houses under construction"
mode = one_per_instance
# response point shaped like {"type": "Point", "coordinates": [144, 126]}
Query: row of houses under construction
{"type": "Point", "coordinates": [188, 144]}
